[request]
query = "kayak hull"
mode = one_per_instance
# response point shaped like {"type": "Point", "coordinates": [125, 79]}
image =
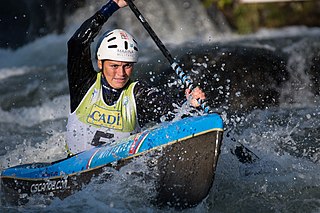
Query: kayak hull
{"type": "Point", "coordinates": [187, 170]}
{"type": "Point", "coordinates": [187, 154]}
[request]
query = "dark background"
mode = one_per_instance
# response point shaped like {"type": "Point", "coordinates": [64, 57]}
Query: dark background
{"type": "Point", "coordinates": [22, 21]}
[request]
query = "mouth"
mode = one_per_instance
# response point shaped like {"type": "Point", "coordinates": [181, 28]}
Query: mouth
{"type": "Point", "coordinates": [120, 80]}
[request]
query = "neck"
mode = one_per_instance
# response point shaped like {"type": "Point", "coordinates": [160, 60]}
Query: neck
{"type": "Point", "coordinates": [110, 94]}
{"type": "Point", "coordinates": [108, 87]}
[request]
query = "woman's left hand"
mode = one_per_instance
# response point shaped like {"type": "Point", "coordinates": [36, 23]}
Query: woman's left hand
{"type": "Point", "coordinates": [121, 3]}
{"type": "Point", "coordinates": [194, 95]}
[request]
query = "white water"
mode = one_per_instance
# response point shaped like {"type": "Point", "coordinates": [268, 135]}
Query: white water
{"type": "Point", "coordinates": [285, 138]}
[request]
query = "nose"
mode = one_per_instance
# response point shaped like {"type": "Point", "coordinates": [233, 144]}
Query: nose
{"type": "Point", "coordinates": [121, 71]}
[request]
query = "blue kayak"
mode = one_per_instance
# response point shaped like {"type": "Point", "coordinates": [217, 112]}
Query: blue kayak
{"type": "Point", "coordinates": [189, 150]}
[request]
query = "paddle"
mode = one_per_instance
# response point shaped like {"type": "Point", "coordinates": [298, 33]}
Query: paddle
{"type": "Point", "coordinates": [186, 80]}
{"type": "Point", "coordinates": [244, 154]}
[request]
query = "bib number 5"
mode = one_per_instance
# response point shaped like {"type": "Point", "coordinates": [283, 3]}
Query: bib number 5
{"type": "Point", "coordinates": [99, 136]}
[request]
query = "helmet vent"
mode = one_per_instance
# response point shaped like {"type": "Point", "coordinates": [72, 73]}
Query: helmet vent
{"type": "Point", "coordinates": [112, 46]}
{"type": "Point", "coordinates": [111, 39]}
{"type": "Point", "coordinates": [135, 48]}
{"type": "Point", "coordinates": [126, 45]}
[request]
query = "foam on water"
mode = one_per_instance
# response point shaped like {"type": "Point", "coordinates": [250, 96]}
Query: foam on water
{"type": "Point", "coordinates": [10, 72]}
{"type": "Point", "coordinates": [28, 117]}
{"type": "Point", "coordinates": [46, 122]}
{"type": "Point", "coordinates": [284, 179]}
{"type": "Point", "coordinates": [279, 180]}
{"type": "Point", "coordinates": [46, 51]}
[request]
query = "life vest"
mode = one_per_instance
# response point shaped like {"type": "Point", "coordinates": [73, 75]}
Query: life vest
{"type": "Point", "coordinates": [95, 123]}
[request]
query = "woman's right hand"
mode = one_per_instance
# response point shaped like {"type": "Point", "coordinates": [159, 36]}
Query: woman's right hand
{"type": "Point", "coordinates": [121, 3]}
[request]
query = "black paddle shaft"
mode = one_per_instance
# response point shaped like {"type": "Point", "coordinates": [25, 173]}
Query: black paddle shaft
{"type": "Point", "coordinates": [153, 35]}
{"type": "Point", "coordinates": [174, 65]}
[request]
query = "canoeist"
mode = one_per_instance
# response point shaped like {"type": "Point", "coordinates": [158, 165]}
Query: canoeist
{"type": "Point", "coordinates": [107, 105]}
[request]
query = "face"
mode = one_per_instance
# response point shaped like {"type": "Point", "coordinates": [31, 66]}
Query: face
{"type": "Point", "coordinates": [117, 73]}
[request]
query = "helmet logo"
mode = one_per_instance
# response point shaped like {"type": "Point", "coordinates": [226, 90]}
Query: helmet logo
{"type": "Point", "coordinates": [124, 35]}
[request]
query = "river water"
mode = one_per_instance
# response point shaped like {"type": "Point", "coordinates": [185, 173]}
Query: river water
{"type": "Point", "coordinates": [285, 137]}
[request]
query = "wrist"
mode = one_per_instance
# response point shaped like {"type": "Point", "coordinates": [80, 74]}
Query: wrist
{"type": "Point", "coordinates": [108, 9]}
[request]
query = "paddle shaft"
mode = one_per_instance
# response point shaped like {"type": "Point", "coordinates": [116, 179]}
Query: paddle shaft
{"type": "Point", "coordinates": [174, 65]}
{"type": "Point", "coordinates": [151, 32]}
{"type": "Point", "coordinates": [186, 80]}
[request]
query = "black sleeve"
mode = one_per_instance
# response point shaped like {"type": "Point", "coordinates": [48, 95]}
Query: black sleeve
{"type": "Point", "coordinates": [81, 73]}
{"type": "Point", "coordinates": [152, 104]}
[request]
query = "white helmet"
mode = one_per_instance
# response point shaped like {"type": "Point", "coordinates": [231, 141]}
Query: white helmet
{"type": "Point", "coordinates": [117, 45]}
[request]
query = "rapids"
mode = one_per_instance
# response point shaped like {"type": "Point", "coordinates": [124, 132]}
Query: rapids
{"type": "Point", "coordinates": [283, 133]}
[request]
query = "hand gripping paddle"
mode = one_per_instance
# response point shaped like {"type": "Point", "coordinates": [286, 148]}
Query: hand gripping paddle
{"type": "Point", "coordinates": [243, 154]}
{"type": "Point", "coordinates": [186, 80]}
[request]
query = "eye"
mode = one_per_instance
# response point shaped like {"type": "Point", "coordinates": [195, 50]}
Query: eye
{"type": "Point", "coordinates": [114, 66]}
{"type": "Point", "coordinates": [127, 66]}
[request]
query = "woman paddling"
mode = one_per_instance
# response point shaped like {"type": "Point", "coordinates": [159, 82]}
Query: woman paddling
{"type": "Point", "coordinates": [107, 105]}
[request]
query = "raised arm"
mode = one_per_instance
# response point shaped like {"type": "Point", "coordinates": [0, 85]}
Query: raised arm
{"type": "Point", "coordinates": [81, 73]}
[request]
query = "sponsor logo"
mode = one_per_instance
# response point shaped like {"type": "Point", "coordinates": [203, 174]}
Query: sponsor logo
{"type": "Point", "coordinates": [94, 96]}
{"type": "Point", "coordinates": [125, 53]}
{"type": "Point", "coordinates": [106, 118]}
{"type": "Point", "coordinates": [125, 100]}
{"type": "Point", "coordinates": [49, 186]}
{"type": "Point", "coordinates": [137, 142]}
